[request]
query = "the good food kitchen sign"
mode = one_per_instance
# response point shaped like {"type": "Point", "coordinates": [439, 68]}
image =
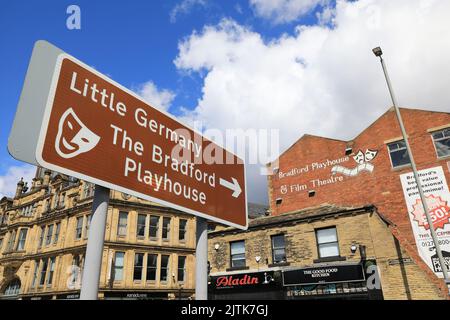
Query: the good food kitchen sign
{"type": "Point", "coordinates": [93, 128]}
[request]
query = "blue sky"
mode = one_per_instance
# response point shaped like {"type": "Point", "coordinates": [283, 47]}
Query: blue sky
{"type": "Point", "coordinates": [132, 41]}
{"type": "Point", "coordinates": [242, 63]}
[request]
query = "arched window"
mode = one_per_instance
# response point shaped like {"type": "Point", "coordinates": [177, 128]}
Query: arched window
{"type": "Point", "coordinates": [13, 288]}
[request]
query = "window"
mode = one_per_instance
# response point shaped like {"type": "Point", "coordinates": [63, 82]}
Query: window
{"type": "Point", "coordinates": [138, 264]}
{"type": "Point", "coordinates": [48, 241]}
{"type": "Point", "coordinates": [57, 231]}
{"type": "Point", "coordinates": [11, 241]}
{"type": "Point", "coordinates": [152, 263]}
{"type": "Point", "coordinates": [88, 190]}
{"type": "Point", "coordinates": [35, 274]}
{"type": "Point", "coordinates": [1, 244]}
{"type": "Point", "coordinates": [237, 254]}
{"type": "Point", "coordinates": [154, 227]}
{"type": "Point", "coordinates": [398, 153]}
{"type": "Point", "coordinates": [51, 271]}
{"type": "Point", "coordinates": [27, 211]}
{"type": "Point", "coordinates": [278, 249]}
{"type": "Point", "coordinates": [327, 242]}
{"type": "Point", "coordinates": [164, 268]}
{"type": "Point", "coordinates": [87, 224]}
{"type": "Point", "coordinates": [13, 288]}
{"type": "Point", "coordinates": [56, 200]}
{"type": "Point", "coordinates": [41, 237]}
{"type": "Point", "coordinates": [182, 230]}
{"type": "Point", "coordinates": [79, 228]}
{"type": "Point", "coordinates": [43, 272]}
{"type": "Point", "coordinates": [122, 227]}
{"type": "Point", "coordinates": [441, 141]}
{"type": "Point", "coordinates": [22, 239]}
{"type": "Point", "coordinates": [141, 222]}
{"type": "Point", "coordinates": [166, 228]}
{"type": "Point", "coordinates": [181, 268]}
{"type": "Point", "coordinates": [118, 266]}
{"type": "Point", "coordinates": [62, 201]}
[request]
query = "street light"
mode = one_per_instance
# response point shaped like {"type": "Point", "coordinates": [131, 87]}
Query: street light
{"type": "Point", "coordinates": [378, 52]}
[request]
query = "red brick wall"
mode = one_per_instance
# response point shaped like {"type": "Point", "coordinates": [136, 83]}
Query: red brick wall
{"type": "Point", "coordinates": [382, 187]}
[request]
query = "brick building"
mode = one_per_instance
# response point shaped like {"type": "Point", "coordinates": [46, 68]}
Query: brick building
{"type": "Point", "coordinates": [148, 251]}
{"type": "Point", "coordinates": [368, 170]}
{"type": "Point", "coordinates": [287, 256]}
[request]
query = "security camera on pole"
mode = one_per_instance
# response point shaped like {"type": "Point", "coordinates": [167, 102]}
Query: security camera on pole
{"type": "Point", "coordinates": [378, 52]}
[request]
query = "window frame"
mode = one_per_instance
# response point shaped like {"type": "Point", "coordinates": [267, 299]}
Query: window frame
{"type": "Point", "coordinates": [231, 254]}
{"type": "Point", "coordinates": [136, 254]}
{"type": "Point", "coordinates": [272, 237]}
{"type": "Point", "coordinates": [390, 156]}
{"type": "Point", "coordinates": [183, 269]}
{"type": "Point", "coordinates": [443, 138]}
{"type": "Point", "coordinates": [318, 245]}
{"type": "Point", "coordinates": [166, 268]}
{"type": "Point", "coordinates": [79, 228]}
{"type": "Point", "coordinates": [116, 266]}
{"type": "Point", "coordinates": [167, 228]}
{"type": "Point", "coordinates": [157, 227]}
{"type": "Point", "coordinates": [138, 225]}
{"type": "Point", "coordinates": [120, 226]}
{"type": "Point", "coordinates": [184, 239]}
{"type": "Point", "coordinates": [23, 241]}
{"type": "Point", "coordinates": [151, 267]}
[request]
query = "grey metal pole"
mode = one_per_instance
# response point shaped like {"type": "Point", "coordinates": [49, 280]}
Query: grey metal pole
{"type": "Point", "coordinates": [416, 174]}
{"type": "Point", "coordinates": [93, 261]}
{"type": "Point", "coordinates": [201, 260]}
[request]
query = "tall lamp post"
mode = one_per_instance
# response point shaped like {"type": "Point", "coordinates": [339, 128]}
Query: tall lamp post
{"type": "Point", "coordinates": [378, 52]}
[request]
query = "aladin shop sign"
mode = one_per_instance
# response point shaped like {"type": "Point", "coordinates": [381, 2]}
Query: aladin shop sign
{"type": "Point", "coordinates": [337, 171]}
{"type": "Point", "coordinates": [247, 280]}
{"type": "Point", "coordinates": [437, 194]}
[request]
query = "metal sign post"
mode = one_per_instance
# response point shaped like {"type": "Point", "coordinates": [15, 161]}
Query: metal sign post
{"type": "Point", "coordinates": [93, 261]}
{"type": "Point", "coordinates": [378, 52]}
{"type": "Point", "coordinates": [201, 260]}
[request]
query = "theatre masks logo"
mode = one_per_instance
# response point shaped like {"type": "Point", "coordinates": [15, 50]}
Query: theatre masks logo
{"type": "Point", "coordinates": [73, 136]}
{"type": "Point", "coordinates": [363, 164]}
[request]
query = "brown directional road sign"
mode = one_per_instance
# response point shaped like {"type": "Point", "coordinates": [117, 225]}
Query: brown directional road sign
{"type": "Point", "coordinates": [99, 131]}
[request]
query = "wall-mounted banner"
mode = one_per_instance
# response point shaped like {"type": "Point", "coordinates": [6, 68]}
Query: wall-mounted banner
{"type": "Point", "coordinates": [436, 191]}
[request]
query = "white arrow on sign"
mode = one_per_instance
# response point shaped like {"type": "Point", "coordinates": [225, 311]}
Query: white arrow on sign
{"type": "Point", "coordinates": [235, 187]}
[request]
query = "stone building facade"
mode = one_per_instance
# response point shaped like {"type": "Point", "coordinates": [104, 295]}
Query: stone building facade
{"type": "Point", "coordinates": [368, 170]}
{"type": "Point", "coordinates": [148, 251]}
{"type": "Point", "coordinates": [280, 258]}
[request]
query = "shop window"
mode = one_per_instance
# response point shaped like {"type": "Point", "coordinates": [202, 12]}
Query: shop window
{"type": "Point", "coordinates": [152, 264]}
{"type": "Point", "coordinates": [122, 226]}
{"type": "Point", "coordinates": [154, 227]}
{"type": "Point", "coordinates": [237, 249]}
{"type": "Point", "coordinates": [278, 249]}
{"type": "Point", "coordinates": [398, 154]}
{"type": "Point", "coordinates": [441, 141]}
{"type": "Point", "coordinates": [118, 266]}
{"type": "Point", "coordinates": [138, 265]}
{"type": "Point", "coordinates": [182, 230]}
{"type": "Point", "coordinates": [181, 268]}
{"type": "Point", "coordinates": [327, 242]}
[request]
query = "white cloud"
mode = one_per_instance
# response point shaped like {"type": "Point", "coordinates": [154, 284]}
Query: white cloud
{"type": "Point", "coordinates": [160, 99]}
{"type": "Point", "coordinates": [184, 7]}
{"type": "Point", "coordinates": [322, 80]}
{"type": "Point", "coordinates": [8, 181]}
{"type": "Point", "coordinates": [282, 11]}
